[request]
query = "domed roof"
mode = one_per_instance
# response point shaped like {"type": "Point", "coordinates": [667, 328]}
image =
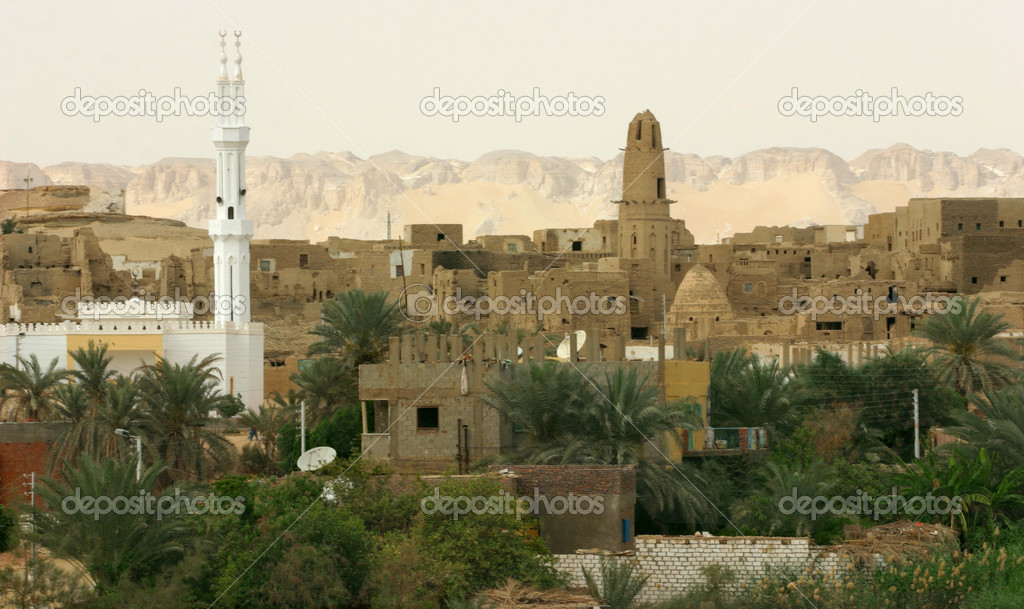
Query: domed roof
{"type": "Point", "coordinates": [700, 290]}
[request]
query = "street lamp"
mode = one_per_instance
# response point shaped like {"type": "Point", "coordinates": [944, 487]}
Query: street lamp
{"type": "Point", "coordinates": [124, 433]}
{"type": "Point", "coordinates": [28, 182]}
{"type": "Point", "coordinates": [17, 349]}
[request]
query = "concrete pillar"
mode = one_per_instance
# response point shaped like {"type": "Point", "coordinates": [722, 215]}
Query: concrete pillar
{"type": "Point", "coordinates": [432, 348]}
{"type": "Point", "coordinates": [394, 354]}
{"type": "Point", "coordinates": [679, 343]}
{"type": "Point", "coordinates": [406, 349]}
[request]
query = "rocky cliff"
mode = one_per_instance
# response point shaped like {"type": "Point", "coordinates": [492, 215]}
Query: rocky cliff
{"type": "Point", "coordinates": [312, 196]}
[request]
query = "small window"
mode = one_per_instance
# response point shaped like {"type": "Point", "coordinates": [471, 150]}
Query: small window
{"type": "Point", "coordinates": [678, 267]}
{"type": "Point", "coordinates": [513, 248]}
{"type": "Point", "coordinates": [231, 213]}
{"type": "Point", "coordinates": [577, 246]}
{"type": "Point", "coordinates": [303, 260]}
{"type": "Point", "coordinates": [1002, 224]}
{"type": "Point", "coordinates": [977, 226]}
{"type": "Point", "coordinates": [960, 226]}
{"type": "Point", "coordinates": [829, 325]}
{"type": "Point", "coordinates": [748, 287]}
{"type": "Point", "coordinates": [399, 270]}
{"type": "Point", "coordinates": [1020, 223]}
{"type": "Point", "coordinates": [974, 280]}
{"type": "Point", "coordinates": [423, 268]}
{"type": "Point", "coordinates": [427, 418]}
{"type": "Point", "coordinates": [264, 265]}
{"type": "Point", "coordinates": [807, 259]}
{"type": "Point", "coordinates": [1002, 279]}
{"type": "Point", "coordinates": [440, 236]}
{"type": "Point", "coordinates": [661, 188]}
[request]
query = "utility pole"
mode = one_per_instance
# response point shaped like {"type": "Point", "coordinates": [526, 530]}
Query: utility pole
{"type": "Point", "coordinates": [302, 427]}
{"type": "Point", "coordinates": [32, 502]}
{"type": "Point", "coordinates": [664, 318]}
{"type": "Point", "coordinates": [917, 428]}
{"type": "Point", "coordinates": [138, 463]}
{"type": "Point", "coordinates": [30, 564]}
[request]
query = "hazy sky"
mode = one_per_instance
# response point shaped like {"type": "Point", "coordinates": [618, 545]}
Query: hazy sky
{"type": "Point", "coordinates": [329, 75]}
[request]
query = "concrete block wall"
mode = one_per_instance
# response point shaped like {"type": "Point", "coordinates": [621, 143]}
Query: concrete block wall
{"type": "Point", "coordinates": [674, 563]}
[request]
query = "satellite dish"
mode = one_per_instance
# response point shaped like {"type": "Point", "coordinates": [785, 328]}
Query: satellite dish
{"type": "Point", "coordinates": [315, 458]}
{"type": "Point", "coordinates": [563, 347]}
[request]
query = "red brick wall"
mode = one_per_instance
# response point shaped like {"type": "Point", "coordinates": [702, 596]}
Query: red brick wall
{"type": "Point", "coordinates": [17, 458]}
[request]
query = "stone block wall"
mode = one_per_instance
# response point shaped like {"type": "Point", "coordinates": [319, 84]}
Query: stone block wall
{"type": "Point", "coordinates": [674, 563]}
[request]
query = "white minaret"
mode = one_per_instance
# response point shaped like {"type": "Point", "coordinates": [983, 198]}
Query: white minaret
{"type": "Point", "coordinates": [231, 231]}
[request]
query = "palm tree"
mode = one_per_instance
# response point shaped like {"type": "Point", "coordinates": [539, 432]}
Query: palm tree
{"type": "Point", "coordinates": [619, 585]}
{"type": "Point", "coordinates": [325, 385]}
{"type": "Point", "coordinates": [358, 326]}
{"type": "Point", "coordinates": [996, 425]}
{"type": "Point", "coordinates": [86, 404]}
{"type": "Point", "coordinates": [443, 327]}
{"type": "Point", "coordinates": [111, 546]}
{"type": "Point", "coordinates": [177, 400]}
{"type": "Point", "coordinates": [749, 391]}
{"type": "Point", "coordinates": [29, 390]}
{"type": "Point", "coordinates": [92, 370]}
{"type": "Point", "coordinates": [542, 402]}
{"type": "Point", "coordinates": [268, 422]}
{"type": "Point", "coordinates": [120, 409]}
{"type": "Point", "coordinates": [570, 419]}
{"type": "Point", "coordinates": [81, 435]}
{"type": "Point", "coordinates": [964, 342]}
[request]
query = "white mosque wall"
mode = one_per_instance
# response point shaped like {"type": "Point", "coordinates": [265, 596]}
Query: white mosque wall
{"type": "Point", "coordinates": [45, 347]}
{"type": "Point", "coordinates": [240, 351]}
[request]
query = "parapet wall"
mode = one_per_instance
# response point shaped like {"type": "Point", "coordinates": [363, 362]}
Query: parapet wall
{"type": "Point", "coordinates": [674, 563]}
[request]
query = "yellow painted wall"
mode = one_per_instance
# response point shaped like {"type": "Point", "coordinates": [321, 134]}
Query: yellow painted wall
{"type": "Point", "coordinates": [117, 342]}
{"type": "Point", "coordinates": [685, 379]}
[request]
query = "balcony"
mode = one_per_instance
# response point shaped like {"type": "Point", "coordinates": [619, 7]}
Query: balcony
{"type": "Point", "coordinates": [723, 441]}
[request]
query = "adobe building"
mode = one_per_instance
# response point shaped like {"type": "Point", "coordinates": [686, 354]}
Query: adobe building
{"type": "Point", "coordinates": [430, 413]}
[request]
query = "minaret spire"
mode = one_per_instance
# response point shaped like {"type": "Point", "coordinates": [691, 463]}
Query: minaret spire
{"type": "Point", "coordinates": [230, 230]}
{"type": "Point", "coordinates": [238, 56]}
{"type": "Point", "coordinates": [223, 57]}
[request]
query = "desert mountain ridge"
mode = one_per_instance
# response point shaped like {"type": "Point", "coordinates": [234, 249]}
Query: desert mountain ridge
{"type": "Point", "coordinates": [313, 196]}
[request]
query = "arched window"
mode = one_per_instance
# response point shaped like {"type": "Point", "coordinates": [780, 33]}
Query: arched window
{"type": "Point", "coordinates": [231, 213]}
